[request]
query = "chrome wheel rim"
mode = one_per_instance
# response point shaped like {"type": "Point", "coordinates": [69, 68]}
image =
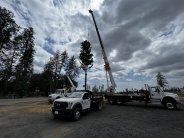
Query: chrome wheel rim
{"type": "Point", "coordinates": [100, 105]}
{"type": "Point", "coordinates": [111, 101]}
{"type": "Point", "coordinates": [77, 114]}
{"type": "Point", "coordinates": [170, 105]}
{"type": "Point", "coordinates": [118, 101]}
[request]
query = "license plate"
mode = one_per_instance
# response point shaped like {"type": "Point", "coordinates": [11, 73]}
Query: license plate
{"type": "Point", "coordinates": [56, 112]}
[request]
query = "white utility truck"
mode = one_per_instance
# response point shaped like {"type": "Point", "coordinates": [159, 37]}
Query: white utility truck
{"type": "Point", "coordinates": [76, 103]}
{"type": "Point", "coordinates": [154, 95]}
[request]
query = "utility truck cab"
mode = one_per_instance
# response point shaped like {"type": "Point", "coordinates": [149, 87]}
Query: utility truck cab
{"type": "Point", "coordinates": [57, 94]}
{"type": "Point", "coordinates": [157, 96]}
{"type": "Point", "coordinates": [76, 103]}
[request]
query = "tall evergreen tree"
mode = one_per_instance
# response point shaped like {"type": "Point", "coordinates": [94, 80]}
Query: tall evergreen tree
{"type": "Point", "coordinates": [57, 62]}
{"type": "Point", "coordinates": [24, 68]}
{"type": "Point", "coordinates": [35, 82]}
{"type": "Point", "coordinates": [8, 47]}
{"type": "Point", "coordinates": [72, 69]}
{"type": "Point", "coordinates": [47, 77]}
{"type": "Point", "coordinates": [8, 28]}
{"type": "Point", "coordinates": [86, 58]}
{"type": "Point", "coordinates": [61, 61]}
{"type": "Point", "coordinates": [95, 89]}
{"type": "Point", "coordinates": [161, 80]}
{"type": "Point", "coordinates": [101, 88]}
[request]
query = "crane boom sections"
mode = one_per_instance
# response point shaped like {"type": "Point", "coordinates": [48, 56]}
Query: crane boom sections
{"type": "Point", "coordinates": [107, 66]}
{"type": "Point", "coordinates": [73, 86]}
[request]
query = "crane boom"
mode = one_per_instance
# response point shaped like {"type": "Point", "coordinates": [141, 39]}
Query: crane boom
{"type": "Point", "coordinates": [107, 65]}
{"type": "Point", "coordinates": [73, 86]}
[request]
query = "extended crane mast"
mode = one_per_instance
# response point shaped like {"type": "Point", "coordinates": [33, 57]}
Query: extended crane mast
{"type": "Point", "coordinates": [107, 65]}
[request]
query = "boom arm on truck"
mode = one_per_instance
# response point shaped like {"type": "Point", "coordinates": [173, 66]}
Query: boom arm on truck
{"type": "Point", "coordinates": [107, 65]}
{"type": "Point", "coordinates": [73, 86]}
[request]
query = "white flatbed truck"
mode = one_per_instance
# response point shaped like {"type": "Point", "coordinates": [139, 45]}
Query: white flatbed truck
{"type": "Point", "coordinates": [154, 95]}
{"type": "Point", "coordinates": [76, 103]}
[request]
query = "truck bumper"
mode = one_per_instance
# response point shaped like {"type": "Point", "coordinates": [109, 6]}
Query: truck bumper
{"type": "Point", "coordinates": [62, 112]}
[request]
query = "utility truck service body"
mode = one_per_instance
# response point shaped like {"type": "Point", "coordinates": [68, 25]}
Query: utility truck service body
{"type": "Point", "coordinates": [57, 94]}
{"type": "Point", "coordinates": [154, 95]}
{"type": "Point", "coordinates": [76, 103]}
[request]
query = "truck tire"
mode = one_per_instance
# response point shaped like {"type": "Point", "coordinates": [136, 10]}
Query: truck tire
{"type": "Point", "coordinates": [99, 106]}
{"type": "Point", "coordinates": [170, 104]}
{"type": "Point", "coordinates": [111, 101]}
{"type": "Point", "coordinates": [76, 114]}
{"type": "Point", "coordinates": [119, 101]}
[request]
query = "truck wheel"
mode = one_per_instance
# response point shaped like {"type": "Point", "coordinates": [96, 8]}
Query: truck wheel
{"type": "Point", "coordinates": [100, 105]}
{"type": "Point", "coordinates": [119, 101]}
{"type": "Point", "coordinates": [111, 101]}
{"type": "Point", "coordinates": [171, 105]}
{"type": "Point", "coordinates": [76, 114]}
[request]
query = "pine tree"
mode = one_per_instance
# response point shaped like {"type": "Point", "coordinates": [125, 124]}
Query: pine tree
{"type": "Point", "coordinates": [35, 82]}
{"type": "Point", "coordinates": [95, 89]}
{"type": "Point", "coordinates": [8, 28]}
{"type": "Point", "coordinates": [101, 88]}
{"type": "Point", "coordinates": [24, 68]}
{"type": "Point", "coordinates": [61, 64]}
{"type": "Point", "coordinates": [86, 58]}
{"type": "Point", "coordinates": [161, 80]}
{"type": "Point", "coordinates": [52, 74]}
{"type": "Point", "coordinates": [72, 69]}
{"type": "Point", "coordinates": [47, 77]}
{"type": "Point", "coordinates": [57, 62]}
{"type": "Point", "coordinates": [9, 49]}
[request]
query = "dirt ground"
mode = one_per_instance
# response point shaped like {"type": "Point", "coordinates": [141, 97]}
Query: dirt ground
{"type": "Point", "coordinates": [34, 120]}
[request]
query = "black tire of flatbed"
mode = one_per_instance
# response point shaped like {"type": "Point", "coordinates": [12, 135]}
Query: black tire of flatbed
{"type": "Point", "coordinates": [76, 114]}
{"type": "Point", "coordinates": [170, 105]}
{"type": "Point", "coordinates": [100, 105]}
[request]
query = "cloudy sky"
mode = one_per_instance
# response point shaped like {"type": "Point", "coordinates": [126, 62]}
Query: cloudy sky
{"type": "Point", "coordinates": [141, 37]}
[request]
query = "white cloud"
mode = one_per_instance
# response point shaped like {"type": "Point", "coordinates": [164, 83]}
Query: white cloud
{"type": "Point", "coordinates": [140, 37]}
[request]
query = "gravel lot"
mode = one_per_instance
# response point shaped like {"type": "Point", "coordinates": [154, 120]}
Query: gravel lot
{"type": "Point", "coordinates": [34, 120]}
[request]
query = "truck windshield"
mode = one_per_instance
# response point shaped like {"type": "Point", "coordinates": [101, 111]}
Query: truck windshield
{"type": "Point", "coordinates": [75, 95]}
{"type": "Point", "coordinates": [155, 89]}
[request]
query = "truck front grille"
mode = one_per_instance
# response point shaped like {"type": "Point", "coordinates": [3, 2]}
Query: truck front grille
{"type": "Point", "coordinates": [60, 105]}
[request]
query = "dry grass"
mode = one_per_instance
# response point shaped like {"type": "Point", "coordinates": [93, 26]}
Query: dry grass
{"type": "Point", "coordinates": [39, 108]}
{"type": "Point", "coordinates": [181, 98]}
